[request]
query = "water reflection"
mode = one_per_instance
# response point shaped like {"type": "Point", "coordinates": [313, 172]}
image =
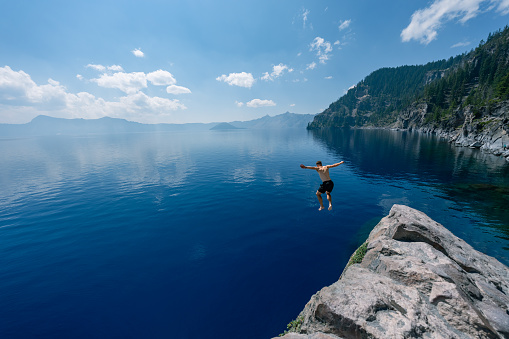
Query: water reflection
{"type": "Point", "coordinates": [407, 154]}
{"type": "Point", "coordinates": [474, 180]}
{"type": "Point", "coordinates": [48, 166]}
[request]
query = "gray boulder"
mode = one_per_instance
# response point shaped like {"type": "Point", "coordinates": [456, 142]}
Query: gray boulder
{"type": "Point", "coordinates": [417, 280]}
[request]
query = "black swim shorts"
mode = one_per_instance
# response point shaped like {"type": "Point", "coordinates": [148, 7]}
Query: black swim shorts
{"type": "Point", "coordinates": [326, 186]}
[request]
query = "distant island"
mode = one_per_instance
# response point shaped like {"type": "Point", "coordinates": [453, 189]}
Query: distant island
{"type": "Point", "coordinates": [224, 126]}
{"type": "Point", "coordinates": [44, 125]}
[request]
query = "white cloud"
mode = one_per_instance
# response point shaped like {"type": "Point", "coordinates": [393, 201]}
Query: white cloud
{"type": "Point", "coordinates": [79, 76]}
{"type": "Point", "coordinates": [53, 82]}
{"type": "Point", "coordinates": [115, 68]}
{"type": "Point", "coordinates": [311, 65]}
{"type": "Point", "coordinates": [102, 68]}
{"type": "Point", "coordinates": [138, 53]}
{"type": "Point", "coordinates": [174, 89]}
{"type": "Point", "coordinates": [135, 81]}
{"type": "Point", "coordinates": [126, 82]}
{"type": "Point", "coordinates": [23, 99]}
{"type": "Point", "coordinates": [461, 44]}
{"type": "Point", "coordinates": [322, 48]}
{"type": "Point", "coordinates": [344, 24]}
{"type": "Point", "coordinates": [292, 105]}
{"type": "Point", "coordinates": [305, 14]}
{"type": "Point", "coordinates": [99, 68]}
{"type": "Point", "coordinates": [239, 104]}
{"type": "Point", "coordinates": [503, 7]}
{"type": "Point", "coordinates": [139, 102]}
{"type": "Point", "coordinates": [238, 79]}
{"type": "Point", "coordinates": [425, 23]}
{"type": "Point", "coordinates": [18, 89]}
{"type": "Point", "coordinates": [260, 103]}
{"type": "Point", "coordinates": [161, 78]}
{"type": "Point", "coordinates": [277, 71]}
{"type": "Point", "coordinates": [329, 77]}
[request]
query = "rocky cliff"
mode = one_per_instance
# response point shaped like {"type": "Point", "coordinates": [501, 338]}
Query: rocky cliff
{"type": "Point", "coordinates": [416, 280]}
{"type": "Point", "coordinates": [485, 128]}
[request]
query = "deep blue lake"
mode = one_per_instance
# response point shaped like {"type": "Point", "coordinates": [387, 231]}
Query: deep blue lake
{"type": "Point", "coordinates": [213, 234]}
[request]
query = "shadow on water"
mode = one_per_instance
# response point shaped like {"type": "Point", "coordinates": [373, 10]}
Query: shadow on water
{"type": "Point", "coordinates": [475, 181]}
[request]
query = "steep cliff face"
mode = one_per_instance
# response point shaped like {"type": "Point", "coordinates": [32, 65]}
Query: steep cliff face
{"type": "Point", "coordinates": [485, 128]}
{"type": "Point", "coordinates": [416, 280]}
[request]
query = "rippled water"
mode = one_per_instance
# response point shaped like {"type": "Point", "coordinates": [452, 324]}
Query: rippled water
{"type": "Point", "coordinates": [213, 234]}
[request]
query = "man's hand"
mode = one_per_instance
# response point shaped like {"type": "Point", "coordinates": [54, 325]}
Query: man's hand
{"type": "Point", "coordinates": [302, 166]}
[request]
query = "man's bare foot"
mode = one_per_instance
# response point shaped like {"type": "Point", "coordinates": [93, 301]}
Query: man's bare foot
{"type": "Point", "coordinates": [321, 208]}
{"type": "Point", "coordinates": [330, 207]}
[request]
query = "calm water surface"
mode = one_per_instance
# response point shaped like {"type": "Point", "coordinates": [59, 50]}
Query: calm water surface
{"type": "Point", "coordinates": [213, 234]}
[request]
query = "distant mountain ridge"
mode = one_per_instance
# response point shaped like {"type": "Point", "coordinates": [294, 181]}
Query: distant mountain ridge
{"type": "Point", "coordinates": [45, 125]}
{"type": "Point", "coordinates": [285, 120]}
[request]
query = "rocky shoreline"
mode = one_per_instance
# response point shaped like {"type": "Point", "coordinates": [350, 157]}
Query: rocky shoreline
{"type": "Point", "coordinates": [490, 133]}
{"type": "Point", "coordinates": [416, 280]}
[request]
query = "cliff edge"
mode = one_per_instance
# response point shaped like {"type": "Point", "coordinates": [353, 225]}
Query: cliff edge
{"type": "Point", "coordinates": [416, 280]}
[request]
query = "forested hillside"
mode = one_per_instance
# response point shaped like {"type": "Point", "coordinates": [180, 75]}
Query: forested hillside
{"type": "Point", "coordinates": [435, 95]}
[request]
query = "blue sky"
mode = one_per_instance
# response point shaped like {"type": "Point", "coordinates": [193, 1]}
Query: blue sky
{"type": "Point", "coordinates": [212, 61]}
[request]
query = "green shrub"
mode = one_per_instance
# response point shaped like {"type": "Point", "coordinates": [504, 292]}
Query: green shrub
{"type": "Point", "coordinates": [359, 254]}
{"type": "Point", "coordinates": [293, 326]}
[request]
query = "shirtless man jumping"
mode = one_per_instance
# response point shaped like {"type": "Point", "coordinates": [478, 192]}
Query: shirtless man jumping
{"type": "Point", "coordinates": [327, 184]}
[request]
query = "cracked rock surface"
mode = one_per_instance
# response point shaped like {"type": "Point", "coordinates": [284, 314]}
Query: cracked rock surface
{"type": "Point", "coordinates": [417, 280]}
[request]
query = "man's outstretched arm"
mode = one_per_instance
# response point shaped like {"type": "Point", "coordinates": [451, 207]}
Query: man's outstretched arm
{"type": "Point", "coordinates": [335, 165]}
{"type": "Point", "coordinates": [308, 167]}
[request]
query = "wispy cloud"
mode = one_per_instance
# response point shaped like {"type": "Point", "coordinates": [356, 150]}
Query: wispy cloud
{"type": "Point", "coordinates": [344, 24]}
{"type": "Point", "coordinates": [174, 89]}
{"type": "Point", "coordinates": [116, 68]}
{"type": "Point", "coordinates": [138, 53]}
{"type": "Point", "coordinates": [101, 68]}
{"type": "Point", "coordinates": [322, 49]}
{"type": "Point", "coordinates": [425, 23]}
{"type": "Point", "coordinates": [305, 14]}
{"type": "Point", "coordinates": [503, 7]}
{"type": "Point", "coordinates": [311, 65]}
{"type": "Point", "coordinates": [277, 71]}
{"type": "Point", "coordinates": [255, 103]}
{"type": "Point", "coordinates": [242, 79]}
{"type": "Point", "coordinates": [461, 44]}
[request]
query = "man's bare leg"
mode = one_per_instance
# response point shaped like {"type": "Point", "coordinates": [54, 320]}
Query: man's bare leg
{"type": "Point", "coordinates": [320, 200]}
{"type": "Point", "coordinates": [329, 197]}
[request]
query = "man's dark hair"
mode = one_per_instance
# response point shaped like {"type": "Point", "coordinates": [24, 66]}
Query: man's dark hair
{"type": "Point", "coordinates": [319, 163]}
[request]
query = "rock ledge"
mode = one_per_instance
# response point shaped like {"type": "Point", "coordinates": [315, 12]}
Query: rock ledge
{"type": "Point", "coordinates": [417, 280]}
